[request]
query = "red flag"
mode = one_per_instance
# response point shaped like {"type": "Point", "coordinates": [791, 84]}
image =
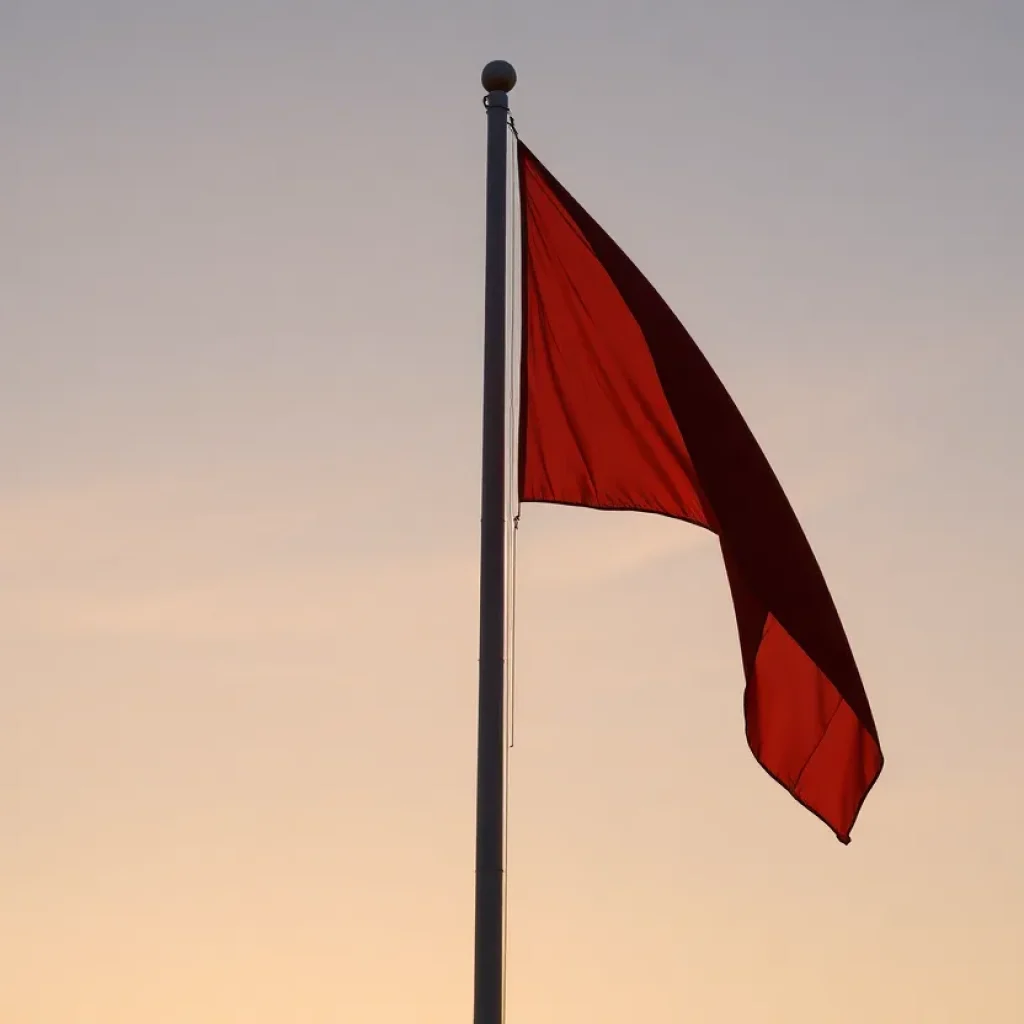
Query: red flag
{"type": "Point", "coordinates": [620, 410]}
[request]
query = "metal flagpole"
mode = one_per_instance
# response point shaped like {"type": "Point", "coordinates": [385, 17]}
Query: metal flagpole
{"type": "Point", "coordinates": [498, 78]}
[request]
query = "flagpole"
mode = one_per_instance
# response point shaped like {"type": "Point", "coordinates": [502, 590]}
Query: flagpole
{"type": "Point", "coordinates": [497, 78]}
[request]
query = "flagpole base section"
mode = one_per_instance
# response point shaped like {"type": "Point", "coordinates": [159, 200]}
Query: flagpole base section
{"type": "Point", "coordinates": [498, 76]}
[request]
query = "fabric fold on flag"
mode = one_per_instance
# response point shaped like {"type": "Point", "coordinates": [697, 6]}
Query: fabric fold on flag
{"type": "Point", "coordinates": [620, 410]}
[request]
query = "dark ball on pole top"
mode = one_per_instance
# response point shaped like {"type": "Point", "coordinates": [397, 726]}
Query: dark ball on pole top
{"type": "Point", "coordinates": [498, 76]}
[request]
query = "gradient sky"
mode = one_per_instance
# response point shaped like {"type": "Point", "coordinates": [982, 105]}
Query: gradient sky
{"type": "Point", "coordinates": [240, 359]}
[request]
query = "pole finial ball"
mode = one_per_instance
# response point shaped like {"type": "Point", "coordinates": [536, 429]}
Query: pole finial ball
{"type": "Point", "coordinates": [498, 76]}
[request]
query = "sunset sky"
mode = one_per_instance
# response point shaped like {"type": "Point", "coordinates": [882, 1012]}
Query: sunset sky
{"type": "Point", "coordinates": [241, 299]}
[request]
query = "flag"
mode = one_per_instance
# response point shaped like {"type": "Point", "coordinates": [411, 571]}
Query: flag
{"type": "Point", "coordinates": [620, 410]}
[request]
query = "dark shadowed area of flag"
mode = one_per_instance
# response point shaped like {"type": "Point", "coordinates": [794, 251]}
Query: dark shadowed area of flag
{"type": "Point", "coordinates": [620, 410]}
